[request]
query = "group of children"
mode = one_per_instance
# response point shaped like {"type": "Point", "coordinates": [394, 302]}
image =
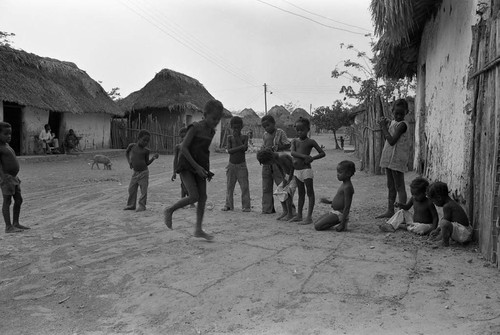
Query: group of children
{"type": "Point", "coordinates": [288, 172]}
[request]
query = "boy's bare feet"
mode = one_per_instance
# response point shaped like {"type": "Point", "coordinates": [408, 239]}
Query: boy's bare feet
{"type": "Point", "coordinates": [140, 209]}
{"type": "Point", "coordinates": [204, 235]}
{"type": "Point", "coordinates": [129, 208]}
{"type": "Point", "coordinates": [296, 218]}
{"type": "Point", "coordinates": [168, 217]}
{"type": "Point", "coordinates": [283, 215]}
{"type": "Point", "coordinates": [387, 214]}
{"type": "Point", "coordinates": [341, 227]}
{"type": "Point", "coordinates": [385, 227]}
{"type": "Point", "coordinates": [306, 221]}
{"type": "Point", "coordinates": [17, 225]}
{"type": "Point", "coordinates": [12, 229]}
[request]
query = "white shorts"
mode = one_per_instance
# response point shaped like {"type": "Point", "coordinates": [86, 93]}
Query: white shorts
{"type": "Point", "coordinates": [460, 232]}
{"type": "Point", "coordinates": [304, 174]}
{"type": "Point", "coordinates": [287, 191]}
{"type": "Point", "coordinates": [338, 213]}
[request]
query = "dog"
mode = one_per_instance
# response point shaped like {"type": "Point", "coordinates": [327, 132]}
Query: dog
{"type": "Point", "coordinates": [101, 159]}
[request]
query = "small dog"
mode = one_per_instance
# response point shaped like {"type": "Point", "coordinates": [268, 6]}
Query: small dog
{"type": "Point", "coordinates": [101, 159]}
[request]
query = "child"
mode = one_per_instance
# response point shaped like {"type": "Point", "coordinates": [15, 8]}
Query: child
{"type": "Point", "coordinates": [395, 155]}
{"type": "Point", "coordinates": [182, 133]}
{"type": "Point", "coordinates": [301, 150]}
{"type": "Point", "coordinates": [276, 140]}
{"type": "Point", "coordinates": [425, 217]}
{"type": "Point", "coordinates": [9, 182]}
{"type": "Point", "coordinates": [342, 142]}
{"type": "Point", "coordinates": [194, 165]}
{"type": "Point", "coordinates": [341, 203]}
{"type": "Point", "coordinates": [286, 189]}
{"type": "Point", "coordinates": [455, 223]}
{"type": "Point", "coordinates": [237, 170]}
{"type": "Point", "coordinates": [138, 158]}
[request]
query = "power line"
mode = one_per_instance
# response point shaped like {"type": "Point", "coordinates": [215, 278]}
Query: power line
{"type": "Point", "coordinates": [149, 20]}
{"type": "Point", "coordinates": [307, 18]}
{"type": "Point", "coordinates": [324, 17]}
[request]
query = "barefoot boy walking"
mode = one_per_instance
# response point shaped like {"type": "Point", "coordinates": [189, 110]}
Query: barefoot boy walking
{"type": "Point", "coordinates": [9, 182]}
{"type": "Point", "coordinates": [301, 153]}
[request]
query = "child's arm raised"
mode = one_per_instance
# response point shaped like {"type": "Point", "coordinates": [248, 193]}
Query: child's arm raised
{"type": "Point", "coordinates": [231, 149]}
{"type": "Point", "coordinates": [400, 130]}
{"type": "Point", "coordinates": [406, 206]}
{"type": "Point", "coordinates": [149, 161]}
{"type": "Point", "coordinates": [185, 151]}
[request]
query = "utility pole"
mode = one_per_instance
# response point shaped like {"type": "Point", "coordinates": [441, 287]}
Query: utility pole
{"type": "Point", "coordinates": [265, 98]}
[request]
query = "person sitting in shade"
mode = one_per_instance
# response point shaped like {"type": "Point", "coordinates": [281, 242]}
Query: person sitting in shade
{"type": "Point", "coordinates": [49, 140]}
{"type": "Point", "coordinates": [72, 141]}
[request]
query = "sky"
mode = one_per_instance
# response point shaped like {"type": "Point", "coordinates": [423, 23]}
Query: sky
{"type": "Point", "coordinates": [232, 47]}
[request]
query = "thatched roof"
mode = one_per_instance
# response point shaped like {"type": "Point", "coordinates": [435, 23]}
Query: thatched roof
{"type": "Point", "coordinates": [400, 24]}
{"type": "Point", "coordinates": [168, 90]}
{"type": "Point", "coordinates": [299, 113]}
{"type": "Point", "coordinates": [49, 84]}
{"type": "Point", "coordinates": [249, 117]}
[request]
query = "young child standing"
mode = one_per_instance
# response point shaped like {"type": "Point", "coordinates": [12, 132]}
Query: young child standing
{"type": "Point", "coordinates": [9, 182]}
{"type": "Point", "coordinates": [286, 189]}
{"type": "Point", "coordinates": [237, 169]}
{"type": "Point", "coordinates": [182, 134]}
{"type": "Point", "coordinates": [194, 165]}
{"type": "Point", "coordinates": [425, 217]}
{"type": "Point", "coordinates": [341, 203]}
{"type": "Point", "coordinates": [455, 223]}
{"type": "Point", "coordinates": [138, 158]}
{"type": "Point", "coordinates": [301, 153]}
{"type": "Point", "coordinates": [395, 155]}
{"type": "Point", "coordinates": [276, 140]}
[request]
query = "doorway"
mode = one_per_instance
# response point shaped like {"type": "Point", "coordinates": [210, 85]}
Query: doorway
{"type": "Point", "coordinates": [13, 114]}
{"type": "Point", "coordinates": [55, 123]}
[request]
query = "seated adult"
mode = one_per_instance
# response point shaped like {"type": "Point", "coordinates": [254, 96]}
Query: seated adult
{"type": "Point", "coordinates": [72, 141]}
{"type": "Point", "coordinates": [49, 141]}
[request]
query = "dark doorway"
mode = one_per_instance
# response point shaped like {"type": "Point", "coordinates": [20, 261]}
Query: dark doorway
{"type": "Point", "coordinates": [55, 123]}
{"type": "Point", "coordinates": [13, 114]}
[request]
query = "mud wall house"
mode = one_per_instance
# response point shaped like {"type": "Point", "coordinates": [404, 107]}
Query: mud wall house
{"type": "Point", "coordinates": [35, 91]}
{"type": "Point", "coordinates": [453, 47]}
{"type": "Point", "coordinates": [170, 101]}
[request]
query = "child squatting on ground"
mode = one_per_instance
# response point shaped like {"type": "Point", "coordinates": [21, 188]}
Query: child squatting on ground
{"type": "Point", "coordinates": [455, 223]}
{"type": "Point", "coordinates": [194, 165]}
{"type": "Point", "coordinates": [274, 139]}
{"type": "Point", "coordinates": [395, 155]}
{"type": "Point", "coordinates": [341, 203]}
{"type": "Point", "coordinates": [237, 169]}
{"type": "Point", "coordinates": [283, 163]}
{"type": "Point", "coordinates": [138, 158]}
{"type": "Point", "coordinates": [301, 153]}
{"type": "Point", "coordinates": [425, 217]}
{"type": "Point", "coordinates": [9, 182]}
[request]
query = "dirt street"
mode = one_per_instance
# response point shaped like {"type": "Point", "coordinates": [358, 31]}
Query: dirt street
{"type": "Point", "coordinates": [89, 267]}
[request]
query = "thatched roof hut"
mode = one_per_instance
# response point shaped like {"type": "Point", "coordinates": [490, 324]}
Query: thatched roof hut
{"type": "Point", "coordinates": [49, 84]}
{"type": "Point", "coordinates": [299, 113]}
{"type": "Point", "coordinates": [249, 117]}
{"type": "Point", "coordinates": [400, 24]}
{"type": "Point", "coordinates": [169, 90]}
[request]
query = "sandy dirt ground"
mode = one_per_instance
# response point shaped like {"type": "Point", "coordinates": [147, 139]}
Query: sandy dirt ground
{"type": "Point", "coordinates": [89, 267]}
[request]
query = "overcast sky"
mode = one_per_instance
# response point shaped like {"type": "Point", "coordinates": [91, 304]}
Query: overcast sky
{"type": "Point", "coordinates": [232, 47]}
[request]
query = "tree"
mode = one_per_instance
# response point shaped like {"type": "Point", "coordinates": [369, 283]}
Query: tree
{"type": "Point", "coordinates": [331, 118]}
{"type": "Point", "coordinates": [5, 38]}
{"type": "Point", "coordinates": [290, 106]}
{"type": "Point", "coordinates": [114, 94]}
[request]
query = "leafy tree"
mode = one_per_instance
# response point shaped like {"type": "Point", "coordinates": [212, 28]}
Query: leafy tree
{"type": "Point", "coordinates": [5, 38]}
{"type": "Point", "coordinates": [290, 106]}
{"type": "Point", "coordinates": [331, 118]}
{"type": "Point", "coordinates": [114, 94]}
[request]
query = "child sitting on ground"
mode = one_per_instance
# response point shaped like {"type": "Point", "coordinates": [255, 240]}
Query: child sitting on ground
{"type": "Point", "coordinates": [341, 203]}
{"type": "Point", "coordinates": [425, 216]}
{"type": "Point", "coordinates": [194, 165]}
{"type": "Point", "coordinates": [301, 153]}
{"type": "Point", "coordinates": [455, 223]}
{"type": "Point", "coordinates": [9, 182]}
{"type": "Point", "coordinates": [286, 189]}
{"type": "Point", "coordinates": [237, 169]}
{"type": "Point", "coordinates": [276, 140]}
{"type": "Point", "coordinates": [138, 158]}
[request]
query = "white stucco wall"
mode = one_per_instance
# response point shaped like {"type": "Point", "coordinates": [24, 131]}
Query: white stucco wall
{"type": "Point", "coordinates": [1, 110]}
{"type": "Point", "coordinates": [442, 96]}
{"type": "Point", "coordinates": [33, 121]}
{"type": "Point", "coordinates": [94, 128]}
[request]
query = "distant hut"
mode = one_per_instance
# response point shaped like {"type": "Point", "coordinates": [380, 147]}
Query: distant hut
{"type": "Point", "coordinates": [37, 90]}
{"type": "Point", "coordinates": [170, 101]}
{"type": "Point", "coordinates": [251, 122]}
{"type": "Point", "coordinates": [283, 119]}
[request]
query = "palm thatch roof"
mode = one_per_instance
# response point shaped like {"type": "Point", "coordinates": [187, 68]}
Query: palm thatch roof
{"type": "Point", "coordinates": [399, 25]}
{"type": "Point", "coordinates": [49, 84]}
{"type": "Point", "coordinates": [250, 118]}
{"type": "Point", "coordinates": [169, 90]}
{"type": "Point", "coordinates": [299, 113]}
